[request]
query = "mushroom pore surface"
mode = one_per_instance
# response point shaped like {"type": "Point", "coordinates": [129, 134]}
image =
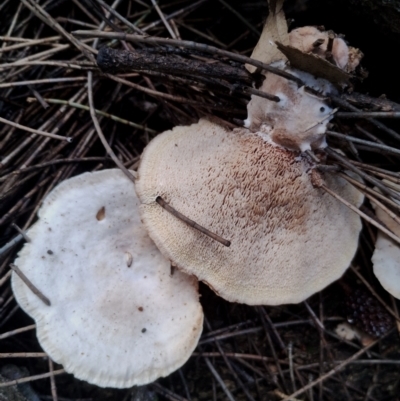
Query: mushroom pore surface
{"type": "Point", "coordinates": [117, 316]}
{"type": "Point", "coordinates": [288, 239]}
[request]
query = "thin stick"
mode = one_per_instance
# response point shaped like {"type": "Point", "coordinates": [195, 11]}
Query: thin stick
{"type": "Point", "coordinates": [100, 132]}
{"type": "Point", "coordinates": [26, 238]}
{"type": "Point", "coordinates": [332, 371]}
{"type": "Point", "coordinates": [50, 21]}
{"type": "Point", "coordinates": [380, 205]}
{"type": "Point", "coordinates": [347, 105]}
{"type": "Point", "coordinates": [76, 22]}
{"type": "Point", "coordinates": [274, 329]}
{"type": "Point", "coordinates": [363, 142]}
{"type": "Point", "coordinates": [35, 131]}
{"type": "Point", "coordinates": [396, 311]}
{"type": "Point", "coordinates": [230, 365]}
{"type": "Point", "coordinates": [5, 278]}
{"type": "Point", "coordinates": [99, 112]}
{"type": "Point", "coordinates": [32, 378]}
{"type": "Point", "coordinates": [30, 42]}
{"type": "Point", "coordinates": [51, 163]}
{"type": "Point", "coordinates": [40, 81]}
{"type": "Point", "coordinates": [239, 356]}
{"type": "Point", "coordinates": [262, 94]}
{"type": "Point", "coordinates": [78, 65]}
{"type": "Point", "coordinates": [314, 316]}
{"type": "Point", "coordinates": [120, 17]}
{"type": "Point", "coordinates": [41, 55]}
{"type": "Point", "coordinates": [366, 177]}
{"type": "Point", "coordinates": [219, 379]}
{"type": "Point", "coordinates": [23, 355]}
{"type": "Point", "coordinates": [373, 292]}
{"type": "Point", "coordinates": [291, 371]}
{"type": "Point", "coordinates": [168, 394]}
{"type": "Point", "coordinates": [11, 243]}
{"type": "Point", "coordinates": [165, 22]}
{"type": "Point", "coordinates": [366, 190]}
{"type": "Point", "coordinates": [53, 386]}
{"type": "Point", "coordinates": [17, 331]}
{"type": "Point", "coordinates": [321, 120]}
{"type": "Point", "coordinates": [183, 10]}
{"type": "Point", "coordinates": [29, 284]}
{"type": "Point", "coordinates": [230, 335]}
{"type": "Point", "coordinates": [241, 18]}
{"type": "Point", "coordinates": [374, 168]}
{"type": "Point", "coordinates": [190, 222]}
{"type": "Point", "coordinates": [312, 156]}
{"type": "Point", "coordinates": [369, 114]}
{"type": "Point", "coordinates": [362, 214]}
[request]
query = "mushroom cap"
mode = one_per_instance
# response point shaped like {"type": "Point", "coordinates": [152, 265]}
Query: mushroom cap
{"type": "Point", "coordinates": [298, 121]}
{"type": "Point", "coordinates": [386, 257]}
{"type": "Point", "coordinates": [288, 239]}
{"type": "Point", "coordinates": [117, 316]}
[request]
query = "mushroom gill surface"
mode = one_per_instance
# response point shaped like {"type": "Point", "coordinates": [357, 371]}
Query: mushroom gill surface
{"type": "Point", "coordinates": [288, 239]}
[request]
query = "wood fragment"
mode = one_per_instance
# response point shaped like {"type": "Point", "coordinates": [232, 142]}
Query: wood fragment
{"type": "Point", "coordinates": [191, 223]}
{"type": "Point", "coordinates": [30, 285]}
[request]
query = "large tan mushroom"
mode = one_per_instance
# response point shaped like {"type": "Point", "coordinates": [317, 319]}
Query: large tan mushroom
{"type": "Point", "coordinates": [288, 239]}
{"type": "Point", "coordinates": [117, 317]}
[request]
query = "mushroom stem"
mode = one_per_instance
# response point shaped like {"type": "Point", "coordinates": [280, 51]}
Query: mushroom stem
{"type": "Point", "coordinates": [190, 222]}
{"type": "Point", "coordinates": [29, 284]}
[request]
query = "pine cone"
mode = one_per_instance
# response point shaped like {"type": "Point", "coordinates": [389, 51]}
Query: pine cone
{"type": "Point", "coordinates": [365, 312]}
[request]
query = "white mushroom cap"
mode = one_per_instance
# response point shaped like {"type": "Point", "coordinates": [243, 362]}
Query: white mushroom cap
{"type": "Point", "coordinates": [386, 257]}
{"type": "Point", "coordinates": [288, 239]}
{"type": "Point", "coordinates": [117, 316]}
{"type": "Point", "coordinates": [298, 121]}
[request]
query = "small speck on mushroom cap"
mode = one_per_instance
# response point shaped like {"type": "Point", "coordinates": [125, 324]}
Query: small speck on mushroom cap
{"type": "Point", "coordinates": [109, 324]}
{"type": "Point", "coordinates": [288, 239]}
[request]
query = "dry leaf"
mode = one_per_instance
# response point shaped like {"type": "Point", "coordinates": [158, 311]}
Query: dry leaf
{"type": "Point", "coordinates": [314, 65]}
{"type": "Point", "coordinates": [275, 29]}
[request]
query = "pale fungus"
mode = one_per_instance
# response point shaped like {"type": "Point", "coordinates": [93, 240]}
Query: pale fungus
{"type": "Point", "coordinates": [386, 257]}
{"type": "Point", "coordinates": [117, 317]}
{"type": "Point", "coordinates": [310, 39]}
{"type": "Point", "coordinates": [288, 238]}
{"type": "Point", "coordinates": [298, 121]}
{"type": "Point", "coordinates": [320, 60]}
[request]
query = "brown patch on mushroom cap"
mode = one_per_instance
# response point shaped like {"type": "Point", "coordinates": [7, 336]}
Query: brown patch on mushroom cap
{"type": "Point", "coordinates": [288, 239]}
